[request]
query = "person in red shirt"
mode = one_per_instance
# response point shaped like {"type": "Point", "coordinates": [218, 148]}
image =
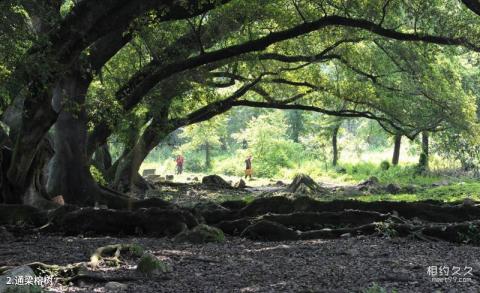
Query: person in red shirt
{"type": "Point", "coordinates": [179, 161]}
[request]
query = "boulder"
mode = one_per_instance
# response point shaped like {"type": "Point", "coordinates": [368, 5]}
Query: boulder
{"type": "Point", "coordinates": [201, 234]}
{"type": "Point", "coordinates": [393, 188]}
{"type": "Point", "coordinates": [149, 265]}
{"type": "Point", "coordinates": [215, 181]}
{"type": "Point", "coordinates": [372, 184]}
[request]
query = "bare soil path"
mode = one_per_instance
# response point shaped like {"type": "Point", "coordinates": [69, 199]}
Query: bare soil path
{"type": "Point", "coordinates": [239, 265]}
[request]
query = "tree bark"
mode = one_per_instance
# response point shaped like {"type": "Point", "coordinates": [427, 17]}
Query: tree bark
{"type": "Point", "coordinates": [126, 173]}
{"type": "Point", "coordinates": [425, 147]}
{"type": "Point", "coordinates": [396, 149]}
{"type": "Point", "coordinates": [335, 145]}
{"type": "Point", "coordinates": [69, 169]}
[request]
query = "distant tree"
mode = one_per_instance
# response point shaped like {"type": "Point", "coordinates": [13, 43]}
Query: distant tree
{"type": "Point", "coordinates": [205, 136]}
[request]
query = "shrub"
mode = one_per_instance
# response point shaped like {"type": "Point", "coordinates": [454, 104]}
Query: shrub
{"type": "Point", "coordinates": [385, 165]}
{"type": "Point", "coordinates": [194, 163]}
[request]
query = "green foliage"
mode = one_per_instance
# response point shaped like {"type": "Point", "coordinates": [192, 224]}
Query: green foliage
{"type": "Point", "coordinates": [204, 137]}
{"type": "Point", "coordinates": [268, 143]}
{"type": "Point", "coordinates": [385, 165]}
{"type": "Point", "coordinates": [462, 147]}
{"type": "Point", "coordinates": [97, 175]}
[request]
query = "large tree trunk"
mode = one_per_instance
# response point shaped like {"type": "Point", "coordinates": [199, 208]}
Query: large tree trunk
{"type": "Point", "coordinates": [38, 116]}
{"type": "Point", "coordinates": [69, 170]}
{"type": "Point", "coordinates": [396, 149]}
{"type": "Point", "coordinates": [335, 145]}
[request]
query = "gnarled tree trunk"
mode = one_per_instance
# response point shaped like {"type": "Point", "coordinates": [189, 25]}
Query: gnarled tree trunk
{"type": "Point", "coordinates": [69, 170]}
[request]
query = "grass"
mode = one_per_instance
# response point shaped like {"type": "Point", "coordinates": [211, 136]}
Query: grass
{"type": "Point", "coordinates": [450, 193]}
{"type": "Point", "coordinates": [353, 172]}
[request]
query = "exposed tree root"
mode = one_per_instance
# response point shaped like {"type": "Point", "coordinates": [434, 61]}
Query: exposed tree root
{"type": "Point", "coordinates": [421, 210]}
{"type": "Point", "coordinates": [458, 233]}
{"type": "Point", "coordinates": [108, 255]}
{"type": "Point", "coordinates": [305, 221]}
{"type": "Point", "coordinates": [151, 221]}
{"type": "Point", "coordinates": [11, 214]}
{"type": "Point", "coordinates": [112, 253]}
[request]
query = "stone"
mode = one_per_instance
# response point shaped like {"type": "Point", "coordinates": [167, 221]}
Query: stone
{"type": "Point", "coordinates": [195, 178]}
{"type": "Point", "coordinates": [393, 188]}
{"type": "Point", "coordinates": [201, 234]}
{"type": "Point", "coordinates": [169, 177]}
{"type": "Point", "coordinates": [215, 181]}
{"type": "Point", "coordinates": [150, 265]}
{"type": "Point", "coordinates": [153, 178]}
{"type": "Point", "coordinates": [115, 287]}
{"type": "Point", "coordinates": [240, 184]}
{"type": "Point", "coordinates": [280, 183]}
{"type": "Point", "coordinates": [410, 188]}
{"type": "Point", "coordinates": [371, 184]}
{"type": "Point", "coordinates": [147, 172]}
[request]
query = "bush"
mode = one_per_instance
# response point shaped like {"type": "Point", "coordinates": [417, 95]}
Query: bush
{"type": "Point", "coordinates": [385, 165]}
{"type": "Point", "coordinates": [229, 166]}
{"type": "Point", "coordinates": [97, 175]}
{"type": "Point", "coordinates": [194, 163]}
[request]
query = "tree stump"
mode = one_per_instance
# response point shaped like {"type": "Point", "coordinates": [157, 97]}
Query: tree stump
{"type": "Point", "coordinates": [304, 184]}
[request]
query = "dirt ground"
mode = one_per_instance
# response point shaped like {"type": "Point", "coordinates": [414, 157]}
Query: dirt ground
{"type": "Point", "coordinates": [239, 265]}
